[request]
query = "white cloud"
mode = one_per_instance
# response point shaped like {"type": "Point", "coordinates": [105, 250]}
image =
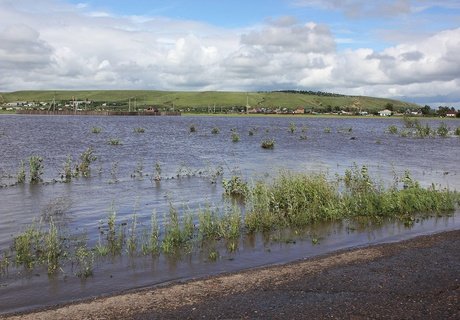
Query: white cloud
{"type": "Point", "coordinates": [361, 8]}
{"type": "Point", "coordinates": [68, 47]}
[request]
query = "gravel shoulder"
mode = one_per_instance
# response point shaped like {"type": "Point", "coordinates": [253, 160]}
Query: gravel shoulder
{"type": "Point", "coordinates": [413, 279]}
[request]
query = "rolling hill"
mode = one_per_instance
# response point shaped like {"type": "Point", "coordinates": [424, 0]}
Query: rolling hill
{"type": "Point", "coordinates": [221, 100]}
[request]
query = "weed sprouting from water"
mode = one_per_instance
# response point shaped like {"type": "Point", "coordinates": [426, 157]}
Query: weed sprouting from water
{"type": "Point", "coordinates": [327, 130]}
{"type": "Point", "coordinates": [213, 255]}
{"type": "Point", "coordinates": [235, 136]}
{"type": "Point", "coordinates": [96, 130]}
{"type": "Point", "coordinates": [422, 131]}
{"type": "Point", "coordinates": [84, 167]}
{"type": "Point", "coordinates": [151, 242]}
{"type": "Point", "coordinates": [35, 246]}
{"type": "Point", "coordinates": [410, 122]}
{"type": "Point", "coordinates": [177, 232]}
{"type": "Point", "coordinates": [215, 130]}
{"type": "Point", "coordinates": [4, 263]}
{"type": "Point", "coordinates": [442, 130]}
{"type": "Point", "coordinates": [52, 248]}
{"type": "Point", "coordinates": [139, 170]}
{"type": "Point", "coordinates": [114, 142]}
{"type": "Point", "coordinates": [192, 128]}
{"type": "Point", "coordinates": [114, 172]}
{"type": "Point", "coordinates": [292, 127]}
{"type": "Point", "coordinates": [157, 174]}
{"type": "Point", "coordinates": [27, 245]}
{"type": "Point", "coordinates": [35, 169]}
{"type": "Point", "coordinates": [235, 187]}
{"type": "Point", "coordinates": [208, 224]}
{"type": "Point", "coordinates": [268, 144]}
{"type": "Point", "coordinates": [67, 173]}
{"type": "Point", "coordinates": [457, 131]}
{"type": "Point", "coordinates": [114, 238]}
{"type": "Point", "coordinates": [85, 261]}
{"type": "Point", "coordinates": [132, 239]}
{"type": "Point", "coordinates": [21, 175]}
{"type": "Point", "coordinates": [139, 130]}
{"type": "Point", "coordinates": [393, 129]}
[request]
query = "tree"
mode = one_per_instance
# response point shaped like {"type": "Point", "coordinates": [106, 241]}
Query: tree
{"type": "Point", "coordinates": [426, 110]}
{"type": "Point", "coordinates": [389, 106]}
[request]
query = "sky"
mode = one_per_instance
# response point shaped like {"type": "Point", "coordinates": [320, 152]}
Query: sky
{"type": "Point", "coordinates": [403, 49]}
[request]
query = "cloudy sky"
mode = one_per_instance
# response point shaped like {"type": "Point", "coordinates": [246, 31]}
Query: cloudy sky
{"type": "Point", "coordinates": [405, 49]}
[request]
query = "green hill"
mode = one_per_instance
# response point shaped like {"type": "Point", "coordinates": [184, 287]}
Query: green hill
{"type": "Point", "coordinates": [221, 100]}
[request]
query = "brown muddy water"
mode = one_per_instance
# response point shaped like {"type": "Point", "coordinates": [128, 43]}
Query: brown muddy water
{"type": "Point", "coordinates": [331, 146]}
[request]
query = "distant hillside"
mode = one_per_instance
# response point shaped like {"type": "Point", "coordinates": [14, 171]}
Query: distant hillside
{"type": "Point", "coordinates": [202, 101]}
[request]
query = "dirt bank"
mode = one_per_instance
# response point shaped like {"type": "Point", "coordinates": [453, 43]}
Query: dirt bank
{"type": "Point", "coordinates": [418, 278]}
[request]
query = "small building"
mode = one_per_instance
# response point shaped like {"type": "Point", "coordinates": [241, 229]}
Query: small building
{"type": "Point", "coordinates": [299, 110]}
{"type": "Point", "coordinates": [385, 113]}
{"type": "Point", "coordinates": [451, 113]}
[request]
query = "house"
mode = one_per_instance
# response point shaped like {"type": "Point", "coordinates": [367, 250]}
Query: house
{"type": "Point", "coordinates": [451, 113]}
{"type": "Point", "coordinates": [385, 113]}
{"type": "Point", "coordinates": [299, 110]}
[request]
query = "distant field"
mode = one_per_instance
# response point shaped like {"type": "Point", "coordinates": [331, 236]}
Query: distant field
{"type": "Point", "coordinates": [210, 99]}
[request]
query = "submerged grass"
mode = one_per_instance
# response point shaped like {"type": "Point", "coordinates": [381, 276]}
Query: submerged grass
{"type": "Point", "coordinates": [291, 201]}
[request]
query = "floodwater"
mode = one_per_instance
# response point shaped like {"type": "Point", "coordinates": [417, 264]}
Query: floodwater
{"type": "Point", "coordinates": [331, 146]}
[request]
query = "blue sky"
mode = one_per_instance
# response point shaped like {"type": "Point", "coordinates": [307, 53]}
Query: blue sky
{"type": "Point", "coordinates": [405, 49]}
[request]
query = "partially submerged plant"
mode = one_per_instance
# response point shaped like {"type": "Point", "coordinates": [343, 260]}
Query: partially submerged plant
{"type": "Point", "coordinates": [86, 158]}
{"type": "Point", "coordinates": [235, 187]}
{"type": "Point", "coordinates": [139, 130]}
{"type": "Point", "coordinates": [442, 130]}
{"type": "Point", "coordinates": [67, 172]}
{"type": "Point", "coordinates": [235, 137]}
{"type": "Point", "coordinates": [392, 129]}
{"type": "Point", "coordinates": [157, 174]}
{"type": "Point", "coordinates": [85, 261]}
{"type": "Point", "coordinates": [35, 169]}
{"type": "Point", "coordinates": [21, 176]}
{"type": "Point", "coordinates": [292, 127]}
{"type": "Point", "coordinates": [192, 128]}
{"type": "Point", "coordinates": [215, 130]}
{"type": "Point", "coordinates": [268, 144]}
{"type": "Point", "coordinates": [114, 142]}
{"type": "Point", "coordinates": [96, 130]}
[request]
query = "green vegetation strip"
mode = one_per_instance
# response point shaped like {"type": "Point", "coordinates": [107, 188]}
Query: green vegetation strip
{"type": "Point", "coordinates": [290, 201]}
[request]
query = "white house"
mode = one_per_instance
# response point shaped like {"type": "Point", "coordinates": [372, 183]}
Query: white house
{"type": "Point", "coordinates": [385, 113]}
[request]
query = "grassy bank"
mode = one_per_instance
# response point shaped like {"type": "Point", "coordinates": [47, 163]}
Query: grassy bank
{"type": "Point", "coordinates": [218, 101]}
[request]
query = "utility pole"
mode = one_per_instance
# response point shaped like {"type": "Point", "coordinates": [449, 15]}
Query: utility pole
{"type": "Point", "coordinates": [247, 103]}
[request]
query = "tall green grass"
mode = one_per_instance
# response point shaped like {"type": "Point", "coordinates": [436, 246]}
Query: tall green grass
{"type": "Point", "coordinates": [290, 201]}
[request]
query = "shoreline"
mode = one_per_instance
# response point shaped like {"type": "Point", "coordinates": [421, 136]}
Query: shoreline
{"type": "Point", "coordinates": [413, 278]}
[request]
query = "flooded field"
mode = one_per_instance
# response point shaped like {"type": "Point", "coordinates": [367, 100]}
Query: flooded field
{"type": "Point", "coordinates": [145, 165]}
